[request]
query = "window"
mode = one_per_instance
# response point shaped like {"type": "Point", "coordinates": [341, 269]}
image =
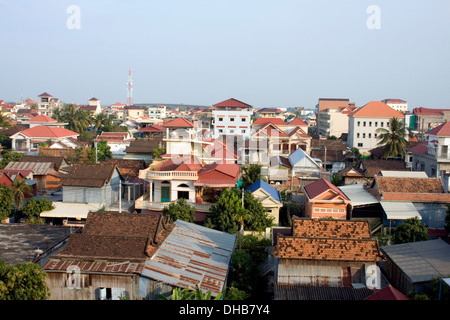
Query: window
{"type": "Point", "coordinates": [387, 124]}
{"type": "Point", "coordinates": [364, 135]}
{"type": "Point", "coordinates": [364, 124]}
{"type": "Point", "coordinates": [359, 123]}
{"type": "Point", "coordinates": [220, 131]}
{"type": "Point", "coordinates": [376, 123]}
{"type": "Point", "coordinates": [357, 135]}
{"type": "Point", "coordinates": [382, 124]}
{"type": "Point", "coordinates": [242, 131]}
{"type": "Point", "coordinates": [370, 135]}
{"type": "Point", "coordinates": [376, 135]}
{"type": "Point", "coordinates": [231, 131]}
{"type": "Point", "coordinates": [370, 123]}
{"type": "Point", "coordinates": [232, 119]}
{"type": "Point", "coordinates": [243, 119]}
{"type": "Point", "coordinates": [220, 119]}
{"type": "Point", "coordinates": [360, 144]}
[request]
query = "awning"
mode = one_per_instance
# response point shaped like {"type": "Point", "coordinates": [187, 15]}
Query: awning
{"type": "Point", "coordinates": [358, 195]}
{"type": "Point", "coordinates": [400, 210]}
{"type": "Point", "coordinates": [70, 210]}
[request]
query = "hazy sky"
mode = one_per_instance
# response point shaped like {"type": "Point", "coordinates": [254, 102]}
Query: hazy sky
{"type": "Point", "coordinates": [265, 53]}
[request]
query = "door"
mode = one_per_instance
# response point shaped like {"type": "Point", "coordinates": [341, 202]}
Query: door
{"type": "Point", "coordinates": [165, 194]}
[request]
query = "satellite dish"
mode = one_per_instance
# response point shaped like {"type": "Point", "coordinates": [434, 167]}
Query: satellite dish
{"type": "Point", "coordinates": [38, 251]}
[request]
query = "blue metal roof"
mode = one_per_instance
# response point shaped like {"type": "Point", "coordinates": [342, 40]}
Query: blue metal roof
{"type": "Point", "coordinates": [261, 184]}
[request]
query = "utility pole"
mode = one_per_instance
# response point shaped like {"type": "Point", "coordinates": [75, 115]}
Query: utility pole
{"type": "Point", "coordinates": [120, 196]}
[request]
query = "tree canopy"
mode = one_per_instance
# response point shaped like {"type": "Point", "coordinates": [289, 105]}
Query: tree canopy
{"type": "Point", "coordinates": [410, 231]}
{"type": "Point", "coordinates": [180, 210]}
{"type": "Point", "coordinates": [393, 140]}
{"type": "Point", "coordinates": [6, 201]}
{"type": "Point", "coordinates": [250, 174]}
{"type": "Point", "coordinates": [22, 282]}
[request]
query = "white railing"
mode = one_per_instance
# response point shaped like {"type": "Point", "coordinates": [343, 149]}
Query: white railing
{"type": "Point", "coordinates": [145, 204]}
{"type": "Point", "coordinates": [168, 175]}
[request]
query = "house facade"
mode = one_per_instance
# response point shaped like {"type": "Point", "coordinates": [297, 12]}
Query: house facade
{"type": "Point", "coordinates": [325, 200]}
{"type": "Point", "coordinates": [326, 253]}
{"type": "Point", "coordinates": [232, 117]}
{"type": "Point", "coordinates": [268, 196]}
{"type": "Point", "coordinates": [364, 122]}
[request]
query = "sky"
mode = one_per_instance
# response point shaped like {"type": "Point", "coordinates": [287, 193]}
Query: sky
{"type": "Point", "coordinates": [267, 53]}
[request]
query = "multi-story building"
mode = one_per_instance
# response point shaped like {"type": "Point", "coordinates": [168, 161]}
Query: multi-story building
{"type": "Point", "coordinates": [333, 122]}
{"type": "Point", "coordinates": [397, 104]}
{"type": "Point", "coordinates": [47, 103]}
{"type": "Point", "coordinates": [232, 117]}
{"type": "Point", "coordinates": [426, 118]}
{"type": "Point", "coordinates": [433, 155]}
{"type": "Point", "coordinates": [157, 112]}
{"type": "Point", "coordinates": [331, 103]}
{"type": "Point", "coordinates": [364, 121]}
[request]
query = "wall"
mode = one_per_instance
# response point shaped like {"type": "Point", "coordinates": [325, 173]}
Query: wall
{"type": "Point", "coordinates": [319, 273]}
{"type": "Point", "coordinates": [89, 286]}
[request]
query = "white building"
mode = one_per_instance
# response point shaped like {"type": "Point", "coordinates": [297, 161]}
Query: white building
{"type": "Point", "coordinates": [232, 117]}
{"type": "Point", "coordinates": [157, 112]}
{"type": "Point", "coordinates": [364, 121]}
{"type": "Point", "coordinates": [333, 122]}
{"type": "Point", "coordinates": [397, 104]}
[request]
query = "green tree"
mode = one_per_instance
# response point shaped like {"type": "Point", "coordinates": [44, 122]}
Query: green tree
{"type": "Point", "coordinates": [233, 293]}
{"type": "Point", "coordinates": [20, 190]}
{"type": "Point", "coordinates": [410, 231]}
{"type": "Point", "coordinates": [4, 121]}
{"type": "Point", "coordinates": [256, 217]}
{"type": "Point", "coordinates": [6, 201]}
{"type": "Point", "coordinates": [224, 215]}
{"type": "Point", "coordinates": [250, 174]}
{"type": "Point", "coordinates": [393, 140]}
{"type": "Point", "coordinates": [33, 207]}
{"type": "Point", "coordinates": [8, 156]}
{"type": "Point", "coordinates": [77, 120]}
{"type": "Point", "coordinates": [189, 294]}
{"type": "Point", "coordinates": [102, 153]}
{"type": "Point", "coordinates": [22, 282]}
{"type": "Point", "coordinates": [180, 210]}
{"type": "Point", "coordinates": [336, 180]}
{"type": "Point", "coordinates": [157, 152]}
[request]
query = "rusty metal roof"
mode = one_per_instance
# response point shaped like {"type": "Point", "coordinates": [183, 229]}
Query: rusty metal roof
{"type": "Point", "coordinates": [192, 255]}
{"type": "Point", "coordinates": [38, 168]}
{"type": "Point", "coordinates": [93, 266]}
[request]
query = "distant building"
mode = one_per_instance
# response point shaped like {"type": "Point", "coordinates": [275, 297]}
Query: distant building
{"type": "Point", "coordinates": [397, 104]}
{"type": "Point", "coordinates": [331, 103]}
{"type": "Point", "coordinates": [364, 122]}
{"type": "Point", "coordinates": [232, 117]}
{"type": "Point", "coordinates": [47, 103]}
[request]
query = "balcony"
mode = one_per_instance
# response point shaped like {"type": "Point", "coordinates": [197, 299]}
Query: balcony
{"type": "Point", "coordinates": [144, 203]}
{"type": "Point", "coordinates": [168, 175]}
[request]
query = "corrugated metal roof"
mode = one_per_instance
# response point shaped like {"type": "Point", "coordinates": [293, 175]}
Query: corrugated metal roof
{"type": "Point", "coordinates": [94, 266]}
{"type": "Point", "coordinates": [261, 184]}
{"type": "Point", "coordinates": [38, 168]}
{"type": "Point", "coordinates": [191, 255]}
{"type": "Point", "coordinates": [404, 174]}
{"type": "Point", "coordinates": [400, 210]}
{"type": "Point", "coordinates": [421, 261]}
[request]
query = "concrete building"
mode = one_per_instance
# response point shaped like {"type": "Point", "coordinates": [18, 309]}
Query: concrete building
{"type": "Point", "coordinates": [232, 117]}
{"type": "Point", "coordinates": [364, 122]}
{"type": "Point", "coordinates": [397, 104]}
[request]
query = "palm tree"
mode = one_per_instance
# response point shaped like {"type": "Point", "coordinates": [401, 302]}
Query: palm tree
{"type": "Point", "coordinates": [250, 174]}
{"type": "Point", "coordinates": [20, 190]}
{"type": "Point", "coordinates": [4, 121]}
{"type": "Point", "coordinates": [393, 140]}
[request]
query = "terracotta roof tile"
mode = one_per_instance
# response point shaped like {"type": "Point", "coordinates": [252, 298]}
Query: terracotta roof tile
{"type": "Point", "coordinates": [441, 130]}
{"type": "Point", "coordinates": [388, 293]}
{"type": "Point", "coordinates": [408, 185]}
{"type": "Point", "coordinates": [48, 132]}
{"type": "Point", "coordinates": [320, 186]}
{"type": "Point", "coordinates": [232, 103]}
{"type": "Point", "coordinates": [179, 123]}
{"type": "Point", "coordinates": [338, 229]}
{"type": "Point", "coordinates": [275, 121]}
{"type": "Point", "coordinates": [376, 109]}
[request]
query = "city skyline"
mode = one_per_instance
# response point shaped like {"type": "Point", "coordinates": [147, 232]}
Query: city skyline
{"type": "Point", "coordinates": [284, 54]}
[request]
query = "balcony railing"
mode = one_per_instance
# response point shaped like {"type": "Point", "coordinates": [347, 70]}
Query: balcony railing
{"type": "Point", "coordinates": [168, 175]}
{"type": "Point", "coordinates": [140, 203]}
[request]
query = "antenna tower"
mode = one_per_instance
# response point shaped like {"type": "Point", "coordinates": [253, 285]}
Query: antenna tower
{"type": "Point", "coordinates": [129, 89]}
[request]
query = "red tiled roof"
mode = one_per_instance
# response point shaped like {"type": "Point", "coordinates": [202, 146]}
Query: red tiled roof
{"type": "Point", "coordinates": [429, 112]}
{"type": "Point", "coordinates": [48, 132]}
{"type": "Point", "coordinates": [154, 128]}
{"type": "Point", "coordinates": [270, 130]}
{"type": "Point", "coordinates": [420, 148]}
{"type": "Point", "coordinates": [387, 293]}
{"type": "Point", "coordinates": [232, 103]}
{"type": "Point", "coordinates": [218, 175]}
{"type": "Point", "coordinates": [335, 229]}
{"type": "Point", "coordinates": [300, 132]}
{"type": "Point", "coordinates": [320, 186]}
{"type": "Point", "coordinates": [298, 122]}
{"type": "Point", "coordinates": [376, 109]}
{"type": "Point", "coordinates": [42, 118]}
{"type": "Point", "coordinates": [275, 121]}
{"type": "Point", "coordinates": [45, 94]}
{"type": "Point", "coordinates": [185, 163]}
{"type": "Point", "coordinates": [179, 123]}
{"type": "Point", "coordinates": [441, 130]}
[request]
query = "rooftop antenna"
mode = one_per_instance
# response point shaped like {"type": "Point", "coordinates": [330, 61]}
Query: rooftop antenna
{"type": "Point", "coordinates": [130, 89]}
